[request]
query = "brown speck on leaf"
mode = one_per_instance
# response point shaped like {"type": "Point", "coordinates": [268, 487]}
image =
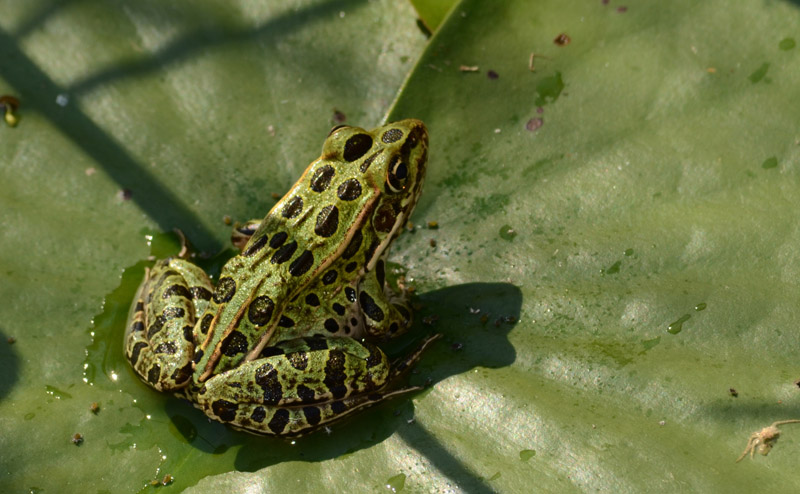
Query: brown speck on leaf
{"type": "Point", "coordinates": [484, 319]}
{"type": "Point", "coordinates": [9, 105]}
{"type": "Point", "coordinates": [711, 70]}
{"type": "Point", "coordinates": [125, 194]}
{"type": "Point", "coordinates": [11, 340]}
{"type": "Point", "coordinates": [338, 117]}
{"type": "Point", "coordinates": [797, 383]}
{"type": "Point", "coordinates": [433, 225]}
{"type": "Point", "coordinates": [7, 101]}
{"type": "Point", "coordinates": [534, 124]}
{"type": "Point", "coordinates": [429, 320]}
{"type": "Point", "coordinates": [733, 393]}
{"type": "Point", "coordinates": [94, 407]}
{"type": "Point", "coordinates": [562, 39]}
{"type": "Point", "coordinates": [90, 171]}
{"type": "Point", "coordinates": [605, 2]}
{"type": "Point", "coordinates": [227, 220]}
{"type": "Point", "coordinates": [456, 346]}
{"type": "Point", "coordinates": [77, 439]}
{"type": "Point", "coordinates": [492, 75]}
{"type": "Point", "coordinates": [432, 242]}
{"type": "Point", "coordinates": [276, 196]}
{"type": "Point", "coordinates": [468, 68]}
{"type": "Point", "coordinates": [622, 10]}
{"type": "Point", "coordinates": [539, 110]}
{"type": "Point", "coordinates": [166, 480]}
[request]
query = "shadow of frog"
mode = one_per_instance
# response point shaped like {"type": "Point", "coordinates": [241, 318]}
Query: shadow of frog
{"type": "Point", "coordinates": [474, 319]}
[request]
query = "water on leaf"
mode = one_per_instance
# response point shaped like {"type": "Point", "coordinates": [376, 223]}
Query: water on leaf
{"type": "Point", "coordinates": [677, 326]}
{"type": "Point", "coordinates": [396, 483]}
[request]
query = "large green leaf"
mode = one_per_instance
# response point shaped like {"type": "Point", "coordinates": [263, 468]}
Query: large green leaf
{"type": "Point", "coordinates": [643, 176]}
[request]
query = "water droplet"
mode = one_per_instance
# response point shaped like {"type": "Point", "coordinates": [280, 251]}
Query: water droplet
{"type": "Point", "coordinates": [786, 44]}
{"type": "Point", "coordinates": [613, 269]}
{"type": "Point", "coordinates": [677, 326]}
{"type": "Point", "coordinates": [700, 306]}
{"type": "Point", "coordinates": [56, 393]}
{"type": "Point", "coordinates": [396, 483]}
{"type": "Point", "coordinates": [759, 73]}
{"type": "Point", "coordinates": [526, 454]}
{"type": "Point", "coordinates": [768, 163]}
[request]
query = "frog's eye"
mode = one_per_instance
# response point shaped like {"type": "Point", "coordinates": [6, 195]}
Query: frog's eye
{"type": "Point", "coordinates": [335, 129]}
{"type": "Point", "coordinates": [398, 174]}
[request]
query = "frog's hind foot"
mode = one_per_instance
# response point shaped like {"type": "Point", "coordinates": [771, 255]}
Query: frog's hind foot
{"type": "Point", "coordinates": [402, 365]}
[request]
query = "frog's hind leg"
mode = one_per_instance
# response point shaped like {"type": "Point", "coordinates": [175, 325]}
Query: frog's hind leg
{"type": "Point", "coordinates": [339, 409]}
{"type": "Point", "coordinates": [159, 340]}
{"type": "Point", "coordinates": [301, 385]}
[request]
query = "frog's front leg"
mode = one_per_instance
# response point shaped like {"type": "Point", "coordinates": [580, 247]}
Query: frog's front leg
{"type": "Point", "coordinates": [243, 232]}
{"type": "Point", "coordinates": [159, 340]}
{"type": "Point", "coordinates": [301, 385]}
{"type": "Point", "coordinates": [385, 313]}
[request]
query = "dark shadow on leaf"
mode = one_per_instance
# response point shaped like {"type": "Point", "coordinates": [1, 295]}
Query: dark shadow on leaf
{"type": "Point", "coordinates": [201, 40]}
{"type": "Point", "coordinates": [734, 410]}
{"type": "Point", "coordinates": [40, 17]}
{"type": "Point", "coordinates": [470, 340]}
{"type": "Point", "coordinates": [9, 364]}
{"type": "Point", "coordinates": [38, 93]}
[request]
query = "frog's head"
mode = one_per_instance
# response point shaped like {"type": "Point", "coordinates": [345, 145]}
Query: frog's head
{"type": "Point", "coordinates": [391, 161]}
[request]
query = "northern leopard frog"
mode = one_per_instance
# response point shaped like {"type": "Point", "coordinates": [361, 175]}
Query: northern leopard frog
{"type": "Point", "coordinates": [285, 341]}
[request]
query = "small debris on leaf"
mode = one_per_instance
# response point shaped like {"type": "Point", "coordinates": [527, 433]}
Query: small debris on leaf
{"type": "Point", "coordinates": [429, 320]}
{"type": "Point", "coordinates": [763, 441]}
{"type": "Point", "coordinates": [534, 124]}
{"type": "Point", "coordinates": [9, 105]}
{"type": "Point", "coordinates": [338, 117]}
{"type": "Point", "coordinates": [562, 39]}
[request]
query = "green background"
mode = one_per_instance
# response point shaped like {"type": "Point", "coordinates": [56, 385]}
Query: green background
{"type": "Point", "coordinates": [659, 190]}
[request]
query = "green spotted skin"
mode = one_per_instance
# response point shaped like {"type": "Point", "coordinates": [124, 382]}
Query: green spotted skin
{"type": "Point", "coordinates": [285, 343]}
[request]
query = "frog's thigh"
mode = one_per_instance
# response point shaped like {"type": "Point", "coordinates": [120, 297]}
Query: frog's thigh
{"type": "Point", "coordinates": [282, 388]}
{"type": "Point", "coordinates": [158, 338]}
{"type": "Point", "coordinates": [385, 313]}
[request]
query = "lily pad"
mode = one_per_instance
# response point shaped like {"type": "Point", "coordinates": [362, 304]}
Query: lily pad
{"type": "Point", "coordinates": [613, 267]}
